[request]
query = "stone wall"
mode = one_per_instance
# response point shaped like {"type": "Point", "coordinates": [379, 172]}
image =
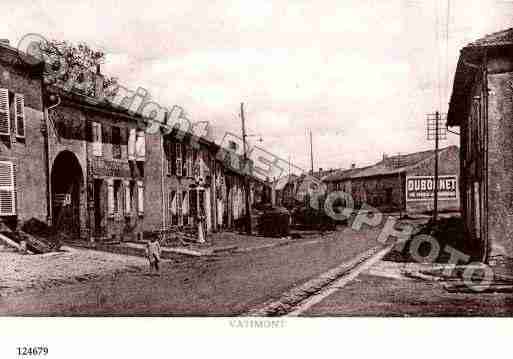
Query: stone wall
{"type": "Point", "coordinates": [500, 163]}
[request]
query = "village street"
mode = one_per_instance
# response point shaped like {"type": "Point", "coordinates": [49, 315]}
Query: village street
{"type": "Point", "coordinates": [224, 284]}
{"type": "Point", "coordinates": [238, 283]}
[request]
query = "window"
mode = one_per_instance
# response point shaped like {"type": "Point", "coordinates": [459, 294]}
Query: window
{"type": "Point", "coordinates": [97, 138]}
{"type": "Point", "coordinates": [170, 157]}
{"type": "Point", "coordinates": [193, 206]}
{"type": "Point", "coordinates": [189, 164]}
{"type": "Point", "coordinates": [116, 142]}
{"type": "Point", "coordinates": [5, 121]}
{"type": "Point", "coordinates": [117, 196]}
{"type": "Point", "coordinates": [7, 190]}
{"type": "Point", "coordinates": [185, 171]}
{"type": "Point", "coordinates": [19, 114]}
{"type": "Point", "coordinates": [140, 198]}
{"type": "Point", "coordinates": [131, 144]}
{"type": "Point", "coordinates": [178, 148]}
{"type": "Point", "coordinates": [132, 194]}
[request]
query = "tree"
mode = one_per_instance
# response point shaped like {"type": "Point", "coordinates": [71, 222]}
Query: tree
{"type": "Point", "coordinates": [73, 66]}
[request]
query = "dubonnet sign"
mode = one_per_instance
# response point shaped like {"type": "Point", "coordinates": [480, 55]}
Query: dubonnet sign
{"type": "Point", "coordinates": [421, 188]}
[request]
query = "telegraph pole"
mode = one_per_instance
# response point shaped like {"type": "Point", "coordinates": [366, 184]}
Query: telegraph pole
{"type": "Point", "coordinates": [436, 132]}
{"type": "Point", "coordinates": [311, 153]}
{"type": "Point", "coordinates": [246, 175]}
{"type": "Point", "coordinates": [437, 138]}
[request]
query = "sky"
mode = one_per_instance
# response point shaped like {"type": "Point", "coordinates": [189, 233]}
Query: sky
{"type": "Point", "coordinates": [361, 75]}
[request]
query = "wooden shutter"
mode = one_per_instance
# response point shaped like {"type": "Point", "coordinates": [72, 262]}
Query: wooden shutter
{"type": "Point", "coordinates": [97, 138]}
{"type": "Point", "coordinates": [19, 114]}
{"type": "Point", "coordinates": [128, 202]}
{"type": "Point", "coordinates": [185, 161]}
{"type": "Point", "coordinates": [170, 157]}
{"type": "Point", "coordinates": [178, 148]}
{"type": "Point", "coordinates": [173, 158]}
{"type": "Point", "coordinates": [185, 203]}
{"type": "Point", "coordinates": [189, 163]}
{"type": "Point", "coordinates": [110, 198]}
{"type": "Point", "coordinates": [140, 198]}
{"type": "Point", "coordinates": [7, 191]}
{"type": "Point", "coordinates": [173, 203]}
{"type": "Point", "coordinates": [140, 146]}
{"type": "Point", "coordinates": [172, 207]}
{"type": "Point", "coordinates": [5, 121]}
{"type": "Point", "coordinates": [131, 144]}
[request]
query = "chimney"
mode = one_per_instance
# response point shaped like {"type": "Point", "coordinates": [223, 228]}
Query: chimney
{"type": "Point", "coordinates": [320, 169]}
{"type": "Point", "coordinates": [385, 156]}
{"type": "Point", "coordinates": [98, 83]}
{"type": "Point", "coordinates": [353, 165]}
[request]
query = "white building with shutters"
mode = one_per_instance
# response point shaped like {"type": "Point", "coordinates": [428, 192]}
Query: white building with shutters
{"type": "Point", "coordinates": [22, 170]}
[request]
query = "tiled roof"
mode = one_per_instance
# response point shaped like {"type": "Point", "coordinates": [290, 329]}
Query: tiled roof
{"type": "Point", "coordinates": [398, 164]}
{"type": "Point", "coordinates": [387, 166]}
{"type": "Point", "coordinates": [470, 57]}
{"type": "Point", "coordinates": [500, 38]}
{"type": "Point", "coordinates": [342, 174]}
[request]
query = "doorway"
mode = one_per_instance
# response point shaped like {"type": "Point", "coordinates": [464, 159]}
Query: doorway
{"type": "Point", "coordinates": [67, 183]}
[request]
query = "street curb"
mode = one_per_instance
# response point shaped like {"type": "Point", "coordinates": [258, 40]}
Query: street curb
{"type": "Point", "coordinates": [136, 249]}
{"type": "Point", "coordinates": [290, 299]}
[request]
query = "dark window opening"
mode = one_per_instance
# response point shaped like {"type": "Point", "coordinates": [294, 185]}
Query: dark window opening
{"type": "Point", "coordinates": [116, 142]}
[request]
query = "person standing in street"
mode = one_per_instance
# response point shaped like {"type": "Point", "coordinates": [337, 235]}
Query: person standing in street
{"type": "Point", "coordinates": [153, 253]}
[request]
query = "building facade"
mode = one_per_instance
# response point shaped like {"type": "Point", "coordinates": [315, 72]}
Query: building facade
{"type": "Point", "coordinates": [482, 106]}
{"type": "Point", "coordinates": [90, 170]}
{"type": "Point", "coordinates": [96, 157]}
{"type": "Point", "coordinates": [402, 183]}
{"type": "Point", "coordinates": [22, 164]}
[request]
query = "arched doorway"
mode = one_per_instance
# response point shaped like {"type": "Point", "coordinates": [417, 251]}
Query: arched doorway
{"type": "Point", "coordinates": [67, 182]}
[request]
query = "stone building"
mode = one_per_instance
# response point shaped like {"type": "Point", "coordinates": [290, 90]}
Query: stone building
{"type": "Point", "coordinates": [402, 183]}
{"type": "Point", "coordinates": [482, 106]}
{"type": "Point", "coordinates": [181, 182]}
{"type": "Point", "coordinates": [89, 169]}
{"type": "Point", "coordinates": [96, 157]}
{"type": "Point", "coordinates": [22, 155]}
{"type": "Point", "coordinates": [190, 176]}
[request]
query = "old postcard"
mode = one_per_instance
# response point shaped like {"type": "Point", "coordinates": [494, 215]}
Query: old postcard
{"type": "Point", "coordinates": [208, 169]}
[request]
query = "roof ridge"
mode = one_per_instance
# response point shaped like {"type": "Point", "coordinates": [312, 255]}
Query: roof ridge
{"type": "Point", "coordinates": [492, 39]}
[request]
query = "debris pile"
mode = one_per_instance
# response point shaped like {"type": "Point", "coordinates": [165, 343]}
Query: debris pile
{"type": "Point", "coordinates": [33, 237]}
{"type": "Point", "coordinates": [446, 232]}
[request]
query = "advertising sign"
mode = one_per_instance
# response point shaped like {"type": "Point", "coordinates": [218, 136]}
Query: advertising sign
{"type": "Point", "coordinates": [421, 188]}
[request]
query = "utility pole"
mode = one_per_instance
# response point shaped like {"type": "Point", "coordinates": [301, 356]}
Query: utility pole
{"type": "Point", "coordinates": [435, 132]}
{"type": "Point", "coordinates": [398, 164]}
{"type": "Point", "coordinates": [435, 209]}
{"type": "Point", "coordinates": [246, 175]}
{"type": "Point", "coordinates": [311, 153]}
